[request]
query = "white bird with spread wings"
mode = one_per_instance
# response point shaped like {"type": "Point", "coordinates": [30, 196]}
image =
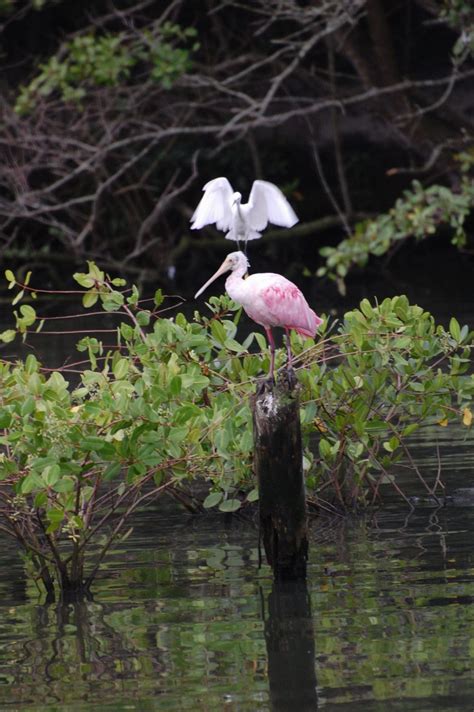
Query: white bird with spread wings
{"type": "Point", "coordinates": [222, 206]}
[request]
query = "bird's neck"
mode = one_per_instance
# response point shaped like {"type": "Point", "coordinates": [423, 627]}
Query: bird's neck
{"type": "Point", "coordinates": [237, 210]}
{"type": "Point", "coordinates": [234, 284]}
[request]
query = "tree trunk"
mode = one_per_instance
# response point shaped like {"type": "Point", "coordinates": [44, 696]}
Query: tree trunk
{"type": "Point", "coordinates": [278, 461]}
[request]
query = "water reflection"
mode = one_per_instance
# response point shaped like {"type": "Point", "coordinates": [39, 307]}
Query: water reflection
{"type": "Point", "coordinates": [289, 639]}
{"type": "Point", "coordinates": [183, 619]}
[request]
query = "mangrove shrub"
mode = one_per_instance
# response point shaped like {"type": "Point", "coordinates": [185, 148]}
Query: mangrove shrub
{"type": "Point", "coordinates": [161, 403]}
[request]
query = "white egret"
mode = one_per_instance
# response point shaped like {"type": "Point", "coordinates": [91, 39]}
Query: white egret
{"type": "Point", "coordinates": [222, 206]}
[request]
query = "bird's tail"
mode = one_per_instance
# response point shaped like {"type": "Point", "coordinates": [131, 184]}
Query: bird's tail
{"type": "Point", "coordinates": [251, 235]}
{"type": "Point", "coordinates": [313, 322]}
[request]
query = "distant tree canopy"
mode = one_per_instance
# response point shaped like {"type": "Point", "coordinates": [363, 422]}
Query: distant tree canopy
{"type": "Point", "coordinates": [115, 113]}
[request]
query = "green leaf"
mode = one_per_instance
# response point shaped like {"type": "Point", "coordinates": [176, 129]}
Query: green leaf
{"type": "Point", "coordinates": [261, 341]}
{"type": "Point", "coordinates": [127, 332]}
{"type": "Point", "coordinates": [51, 475]}
{"type": "Point", "coordinates": [7, 336]}
{"type": "Point", "coordinates": [95, 272]}
{"type": "Point", "coordinates": [57, 383]}
{"type": "Point", "coordinates": [9, 276]}
{"type": "Point", "coordinates": [180, 320]}
{"type": "Point", "coordinates": [455, 329]}
{"type": "Point", "coordinates": [158, 298]}
{"type": "Point", "coordinates": [18, 297]}
{"type": "Point", "coordinates": [55, 518]}
{"type": "Point", "coordinates": [120, 368]}
{"type": "Point", "coordinates": [84, 280]}
{"type": "Point", "coordinates": [112, 301]}
{"type": "Point", "coordinates": [218, 332]}
{"type": "Point", "coordinates": [252, 495]}
{"type": "Point", "coordinates": [247, 342]}
{"type": "Point", "coordinates": [64, 485]}
{"type": "Point", "coordinates": [212, 499]}
{"type": "Point", "coordinates": [394, 442]}
{"type": "Point", "coordinates": [175, 386]}
{"type": "Point", "coordinates": [230, 505]}
{"type": "Point", "coordinates": [195, 381]}
{"type": "Point", "coordinates": [28, 314]}
{"type": "Point", "coordinates": [325, 448]}
{"type": "Point", "coordinates": [35, 385]}
{"type": "Point", "coordinates": [91, 442]}
{"type": "Point", "coordinates": [134, 296]}
{"type": "Point", "coordinates": [112, 471]}
{"type": "Point", "coordinates": [366, 308]}
{"type": "Point", "coordinates": [185, 413]}
{"type": "Point", "coordinates": [409, 429]}
{"type": "Point", "coordinates": [89, 299]}
{"type": "Point", "coordinates": [233, 345]}
{"type": "Point", "coordinates": [31, 364]}
{"type": "Point", "coordinates": [246, 441]}
{"type": "Point", "coordinates": [5, 418]}
{"type": "Point", "coordinates": [41, 500]}
{"type": "Point", "coordinates": [143, 317]}
{"type": "Point", "coordinates": [31, 482]}
{"type": "Point", "coordinates": [28, 406]}
{"type": "Point", "coordinates": [391, 445]}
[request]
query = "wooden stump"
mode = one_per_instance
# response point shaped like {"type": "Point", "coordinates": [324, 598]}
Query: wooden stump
{"type": "Point", "coordinates": [278, 461]}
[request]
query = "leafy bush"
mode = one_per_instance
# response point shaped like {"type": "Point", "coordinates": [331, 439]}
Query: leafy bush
{"type": "Point", "coordinates": [90, 60]}
{"type": "Point", "coordinates": [419, 214]}
{"type": "Point", "coordinates": [167, 405]}
{"type": "Point", "coordinates": [395, 372]}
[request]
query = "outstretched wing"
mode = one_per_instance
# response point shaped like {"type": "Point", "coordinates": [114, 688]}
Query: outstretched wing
{"type": "Point", "coordinates": [215, 206]}
{"type": "Point", "coordinates": [268, 204]}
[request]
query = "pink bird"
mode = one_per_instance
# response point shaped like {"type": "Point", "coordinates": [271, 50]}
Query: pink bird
{"type": "Point", "coordinates": [269, 299]}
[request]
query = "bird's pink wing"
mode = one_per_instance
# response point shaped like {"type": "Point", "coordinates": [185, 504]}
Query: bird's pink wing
{"type": "Point", "coordinates": [288, 308]}
{"type": "Point", "coordinates": [215, 206]}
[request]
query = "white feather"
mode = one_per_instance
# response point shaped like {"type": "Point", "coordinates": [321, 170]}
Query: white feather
{"type": "Point", "coordinates": [267, 204]}
{"type": "Point", "coordinates": [220, 205]}
{"type": "Point", "coordinates": [215, 206]}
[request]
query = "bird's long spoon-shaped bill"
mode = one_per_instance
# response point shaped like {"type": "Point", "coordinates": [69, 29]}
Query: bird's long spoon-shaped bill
{"type": "Point", "coordinates": [223, 268]}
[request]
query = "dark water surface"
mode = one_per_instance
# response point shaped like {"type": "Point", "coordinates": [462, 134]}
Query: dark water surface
{"type": "Point", "coordinates": [183, 619]}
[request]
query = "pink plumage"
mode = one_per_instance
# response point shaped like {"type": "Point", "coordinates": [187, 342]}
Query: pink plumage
{"type": "Point", "coordinates": [272, 300]}
{"type": "Point", "coordinates": [269, 299]}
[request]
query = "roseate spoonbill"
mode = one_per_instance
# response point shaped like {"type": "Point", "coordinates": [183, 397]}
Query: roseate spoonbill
{"type": "Point", "coordinates": [269, 299]}
{"type": "Point", "coordinates": [222, 206]}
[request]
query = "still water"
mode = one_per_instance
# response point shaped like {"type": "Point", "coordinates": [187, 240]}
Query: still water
{"type": "Point", "coordinates": [183, 619]}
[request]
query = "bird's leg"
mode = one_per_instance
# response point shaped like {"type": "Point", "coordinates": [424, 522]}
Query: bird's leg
{"type": "Point", "coordinates": [288, 349]}
{"type": "Point", "coordinates": [290, 374]}
{"type": "Point", "coordinates": [271, 343]}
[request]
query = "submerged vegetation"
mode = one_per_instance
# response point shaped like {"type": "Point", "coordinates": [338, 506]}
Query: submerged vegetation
{"type": "Point", "coordinates": [163, 404]}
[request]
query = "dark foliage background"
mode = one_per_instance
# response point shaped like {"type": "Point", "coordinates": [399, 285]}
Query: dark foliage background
{"type": "Point", "coordinates": [114, 114]}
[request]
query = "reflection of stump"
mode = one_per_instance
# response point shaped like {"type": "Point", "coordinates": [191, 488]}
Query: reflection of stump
{"type": "Point", "coordinates": [278, 461]}
{"type": "Point", "coordinates": [290, 645]}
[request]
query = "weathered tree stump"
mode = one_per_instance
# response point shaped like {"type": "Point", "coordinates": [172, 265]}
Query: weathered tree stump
{"type": "Point", "coordinates": [278, 461]}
